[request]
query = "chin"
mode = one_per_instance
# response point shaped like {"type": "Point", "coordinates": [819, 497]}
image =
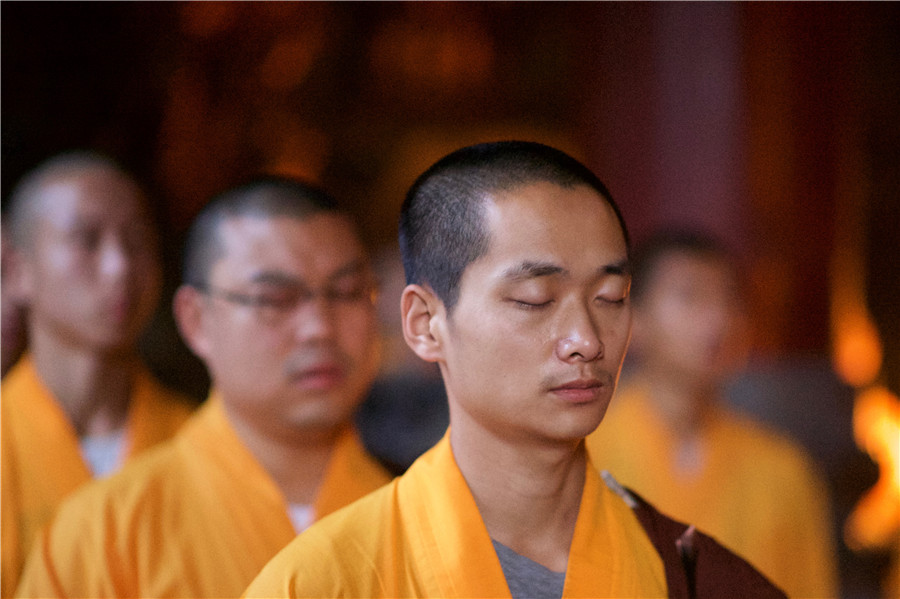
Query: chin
{"type": "Point", "coordinates": [582, 427]}
{"type": "Point", "coordinates": [319, 415]}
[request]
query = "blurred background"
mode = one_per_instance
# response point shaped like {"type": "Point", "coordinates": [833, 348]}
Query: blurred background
{"type": "Point", "coordinates": [774, 126]}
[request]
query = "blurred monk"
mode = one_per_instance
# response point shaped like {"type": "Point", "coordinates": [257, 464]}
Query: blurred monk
{"type": "Point", "coordinates": [669, 436]}
{"type": "Point", "coordinates": [278, 301]}
{"type": "Point", "coordinates": [84, 266]}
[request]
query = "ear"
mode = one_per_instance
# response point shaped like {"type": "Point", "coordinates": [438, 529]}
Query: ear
{"type": "Point", "coordinates": [421, 313]}
{"type": "Point", "coordinates": [188, 307]}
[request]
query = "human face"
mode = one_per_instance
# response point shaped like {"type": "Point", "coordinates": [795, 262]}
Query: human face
{"type": "Point", "coordinates": [281, 364]}
{"type": "Point", "coordinates": [91, 269]}
{"type": "Point", "coordinates": [534, 346]}
{"type": "Point", "coordinates": [689, 321]}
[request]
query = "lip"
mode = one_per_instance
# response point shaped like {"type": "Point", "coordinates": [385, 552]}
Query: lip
{"type": "Point", "coordinates": [578, 391]}
{"type": "Point", "coordinates": [321, 377]}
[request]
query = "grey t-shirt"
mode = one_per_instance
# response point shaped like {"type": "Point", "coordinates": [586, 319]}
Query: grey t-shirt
{"type": "Point", "coordinates": [528, 579]}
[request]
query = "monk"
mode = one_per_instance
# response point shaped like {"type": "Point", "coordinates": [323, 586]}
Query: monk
{"type": "Point", "coordinates": [84, 268]}
{"type": "Point", "coordinates": [517, 261]}
{"type": "Point", "coordinates": [278, 302]}
{"type": "Point", "coordinates": [670, 436]}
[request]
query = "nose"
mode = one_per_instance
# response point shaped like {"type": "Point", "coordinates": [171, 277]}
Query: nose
{"type": "Point", "coordinates": [314, 319]}
{"type": "Point", "coordinates": [580, 336]}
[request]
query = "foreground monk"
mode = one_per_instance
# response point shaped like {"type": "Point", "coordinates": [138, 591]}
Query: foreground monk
{"type": "Point", "coordinates": [84, 265]}
{"type": "Point", "coordinates": [518, 270]}
{"type": "Point", "coordinates": [670, 437]}
{"type": "Point", "coordinates": [278, 303]}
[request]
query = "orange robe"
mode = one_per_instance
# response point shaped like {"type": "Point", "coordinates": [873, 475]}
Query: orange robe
{"type": "Point", "coordinates": [41, 456]}
{"type": "Point", "coordinates": [755, 492]}
{"type": "Point", "coordinates": [196, 517]}
{"type": "Point", "coordinates": [423, 536]}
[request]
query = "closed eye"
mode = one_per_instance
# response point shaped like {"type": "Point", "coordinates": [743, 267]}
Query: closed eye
{"type": "Point", "coordinates": [531, 305]}
{"type": "Point", "coordinates": [610, 300]}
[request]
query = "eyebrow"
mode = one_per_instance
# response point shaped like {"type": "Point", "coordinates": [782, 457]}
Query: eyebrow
{"type": "Point", "coordinates": [532, 270]}
{"type": "Point", "coordinates": [274, 277]}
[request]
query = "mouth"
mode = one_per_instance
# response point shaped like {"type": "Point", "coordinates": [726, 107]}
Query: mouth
{"type": "Point", "coordinates": [321, 377]}
{"type": "Point", "coordinates": [579, 391]}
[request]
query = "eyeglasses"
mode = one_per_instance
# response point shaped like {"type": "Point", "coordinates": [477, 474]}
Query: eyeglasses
{"type": "Point", "coordinates": [277, 303]}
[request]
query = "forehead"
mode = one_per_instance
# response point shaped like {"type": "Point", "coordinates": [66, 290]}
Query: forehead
{"type": "Point", "coordinates": [573, 227]}
{"type": "Point", "coordinates": [309, 248]}
{"type": "Point", "coordinates": [97, 197]}
{"type": "Point", "coordinates": [688, 267]}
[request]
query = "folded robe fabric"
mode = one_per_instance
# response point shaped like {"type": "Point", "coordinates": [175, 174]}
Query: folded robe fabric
{"type": "Point", "coordinates": [196, 517]}
{"type": "Point", "coordinates": [41, 457]}
{"type": "Point", "coordinates": [755, 492]}
{"type": "Point", "coordinates": [423, 536]}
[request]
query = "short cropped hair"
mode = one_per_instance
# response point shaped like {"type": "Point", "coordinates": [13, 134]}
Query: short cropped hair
{"type": "Point", "coordinates": [263, 197]}
{"type": "Point", "coordinates": [25, 197]}
{"type": "Point", "coordinates": [442, 221]}
{"type": "Point", "coordinates": [665, 242]}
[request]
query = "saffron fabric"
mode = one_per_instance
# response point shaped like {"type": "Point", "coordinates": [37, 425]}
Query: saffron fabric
{"type": "Point", "coordinates": [423, 536]}
{"type": "Point", "coordinates": [197, 517]}
{"type": "Point", "coordinates": [41, 457]}
{"type": "Point", "coordinates": [754, 491]}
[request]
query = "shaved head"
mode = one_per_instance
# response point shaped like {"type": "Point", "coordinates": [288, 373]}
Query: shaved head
{"type": "Point", "coordinates": [29, 200]}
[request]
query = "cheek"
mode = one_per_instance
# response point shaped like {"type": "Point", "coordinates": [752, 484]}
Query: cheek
{"type": "Point", "coordinates": [358, 336]}
{"type": "Point", "coordinates": [619, 336]}
{"type": "Point", "coordinates": [62, 258]}
{"type": "Point", "coordinates": [494, 343]}
{"type": "Point", "coordinates": [60, 276]}
{"type": "Point", "coordinates": [674, 318]}
{"type": "Point", "coordinates": [240, 350]}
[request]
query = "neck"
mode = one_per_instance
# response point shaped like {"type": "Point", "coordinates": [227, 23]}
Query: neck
{"type": "Point", "coordinates": [528, 494]}
{"type": "Point", "coordinates": [296, 462]}
{"type": "Point", "coordinates": [92, 387]}
{"type": "Point", "coordinates": [683, 402]}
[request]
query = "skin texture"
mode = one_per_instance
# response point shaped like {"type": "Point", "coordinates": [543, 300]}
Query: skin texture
{"type": "Point", "coordinates": [689, 321]}
{"type": "Point", "coordinates": [94, 248]}
{"type": "Point", "coordinates": [530, 357]}
{"type": "Point", "coordinates": [688, 335]}
{"type": "Point", "coordinates": [292, 376]}
{"type": "Point", "coordinates": [89, 275]}
{"type": "Point", "coordinates": [12, 315]}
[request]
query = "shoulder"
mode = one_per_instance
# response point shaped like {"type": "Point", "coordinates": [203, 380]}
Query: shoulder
{"type": "Point", "coordinates": [696, 565]}
{"type": "Point", "coordinates": [162, 399]}
{"type": "Point", "coordinates": [340, 555]}
{"type": "Point", "coordinates": [768, 450]}
{"type": "Point", "coordinates": [22, 389]}
{"type": "Point", "coordinates": [143, 487]}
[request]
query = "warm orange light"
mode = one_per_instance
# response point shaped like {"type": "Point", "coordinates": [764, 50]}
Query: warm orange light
{"type": "Point", "coordinates": [875, 521]}
{"type": "Point", "coordinates": [857, 348]}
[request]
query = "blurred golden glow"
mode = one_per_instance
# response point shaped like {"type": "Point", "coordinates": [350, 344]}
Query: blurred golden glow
{"type": "Point", "coordinates": [856, 345]}
{"type": "Point", "coordinates": [858, 356]}
{"type": "Point", "coordinates": [857, 348]}
{"type": "Point", "coordinates": [875, 522]}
